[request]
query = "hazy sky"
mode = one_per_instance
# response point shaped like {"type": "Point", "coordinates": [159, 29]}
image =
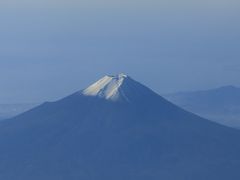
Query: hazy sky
{"type": "Point", "coordinates": [52, 48]}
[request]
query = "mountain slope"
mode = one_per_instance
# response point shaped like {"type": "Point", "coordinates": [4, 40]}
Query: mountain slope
{"type": "Point", "coordinates": [11, 110]}
{"type": "Point", "coordinates": [135, 135]}
{"type": "Point", "coordinates": [221, 105]}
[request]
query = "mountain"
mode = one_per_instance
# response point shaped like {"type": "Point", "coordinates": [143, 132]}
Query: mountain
{"type": "Point", "coordinates": [221, 105]}
{"type": "Point", "coordinates": [11, 110]}
{"type": "Point", "coordinates": [116, 129]}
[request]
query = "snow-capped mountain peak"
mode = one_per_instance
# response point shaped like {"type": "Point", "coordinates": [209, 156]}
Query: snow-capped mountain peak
{"type": "Point", "coordinates": [141, 136]}
{"type": "Point", "coordinates": [108, 87]}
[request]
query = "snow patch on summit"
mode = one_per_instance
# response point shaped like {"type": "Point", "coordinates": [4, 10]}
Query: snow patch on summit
{"type": "Point", "coordinates": [109, 87]}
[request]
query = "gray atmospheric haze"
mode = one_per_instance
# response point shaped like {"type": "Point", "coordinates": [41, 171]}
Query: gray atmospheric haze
{"type": "Point", "coordinates": [51, 48]}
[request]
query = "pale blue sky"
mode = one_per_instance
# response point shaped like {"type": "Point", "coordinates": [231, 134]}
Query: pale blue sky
{"type": "Point", "coordinates": [50, 48]}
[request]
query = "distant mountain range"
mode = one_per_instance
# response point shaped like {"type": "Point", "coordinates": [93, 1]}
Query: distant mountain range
{"type": "Point", "coordinates": [221, 105]}
{"type": "Point", "coordinates": [116, 129]}
{"type": "Point", "coordinates": [11, 110]}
